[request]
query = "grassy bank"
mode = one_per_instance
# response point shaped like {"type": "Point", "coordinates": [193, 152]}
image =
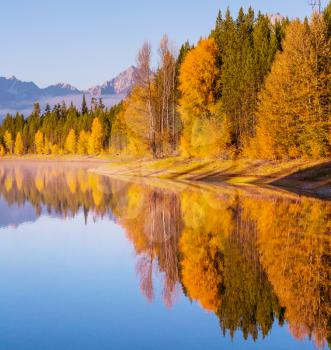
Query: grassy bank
{"type": "Point", "coordinates": [302, 176]}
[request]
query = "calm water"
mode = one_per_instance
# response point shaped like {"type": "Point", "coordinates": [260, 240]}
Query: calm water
{"type": "Point", "coordinates": [89, 262]}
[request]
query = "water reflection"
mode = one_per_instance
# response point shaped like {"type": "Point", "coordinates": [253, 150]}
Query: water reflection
{"type": "Point", "coordinates": [253, 258]}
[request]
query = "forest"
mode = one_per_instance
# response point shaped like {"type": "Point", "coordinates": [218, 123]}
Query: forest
{"type": "Point", "coordinates": [253, 88]}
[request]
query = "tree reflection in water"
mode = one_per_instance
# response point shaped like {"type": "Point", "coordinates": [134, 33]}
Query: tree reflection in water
{"type": "Point", "coordinates": [250, 257]}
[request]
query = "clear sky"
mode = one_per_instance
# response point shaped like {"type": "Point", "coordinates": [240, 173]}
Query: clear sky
{"type": "Point", "coordinates": [87, 42]}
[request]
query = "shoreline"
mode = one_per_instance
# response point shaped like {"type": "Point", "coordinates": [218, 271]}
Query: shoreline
{"type": "Point", "coordinates": [303, 177]}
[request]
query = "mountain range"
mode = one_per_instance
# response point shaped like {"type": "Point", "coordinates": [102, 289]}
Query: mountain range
{"type": "Point", "coordinates": [19, 96]}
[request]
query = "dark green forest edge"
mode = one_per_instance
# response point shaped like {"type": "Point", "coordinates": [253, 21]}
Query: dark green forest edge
{"type": "Point", "coordinates": [252, 90]}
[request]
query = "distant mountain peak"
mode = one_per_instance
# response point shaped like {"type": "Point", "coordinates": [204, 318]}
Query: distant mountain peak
{"type": "Point", "coordinates": [121, 84]}
{"type": "Point", "coordinates": [61, 89]}
{"type": "Point", "coordinates": [65, 86]}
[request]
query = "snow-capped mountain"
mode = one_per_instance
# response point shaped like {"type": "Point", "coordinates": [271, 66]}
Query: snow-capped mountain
{"type": "Point", "coordinates": [122, 84]}
{"type": "Point", "coordinates": [19, 96]}
{"type": "Point", "coordinates": [60, 89]}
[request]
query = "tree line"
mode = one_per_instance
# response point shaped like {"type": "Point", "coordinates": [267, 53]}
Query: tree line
{"type": "Point", "coordinates": [253, 88]}
{"type": "Point", "coordinates": [62, 130]}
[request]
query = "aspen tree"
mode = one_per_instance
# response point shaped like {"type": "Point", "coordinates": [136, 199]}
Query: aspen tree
{"type": "Point", "coordinates": [8, 139]}
{"type": "Point", "coordinates": [19, 146]}
{"type": "Point", "coordinates": [39, 142]}
{"type": "Point", "coordinates": [70, 144]}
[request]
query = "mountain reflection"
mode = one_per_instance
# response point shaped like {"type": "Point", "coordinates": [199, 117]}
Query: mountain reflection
{"type": "Point", "coordinates": [251, 257]}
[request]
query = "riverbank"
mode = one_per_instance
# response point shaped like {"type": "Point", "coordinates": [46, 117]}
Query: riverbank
{"type": "Point", "coordinates": [299, 176]}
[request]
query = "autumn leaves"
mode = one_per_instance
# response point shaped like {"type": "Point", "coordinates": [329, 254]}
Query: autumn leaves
{"type": "Point", "coordinates": [251, 89]}
{"type": "Point", "coordinates": [293, 116]}
{"type": "Point", "coordinates": [86, 143]}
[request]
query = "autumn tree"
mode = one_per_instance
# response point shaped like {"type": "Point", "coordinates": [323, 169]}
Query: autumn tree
{"type": "Point", "coordinates": [96, 137]}
{"type": "Point", "coordinates": [166, 98]}
{"type": "Point", "coordinates": [119, 133]}
{"type": "Point", "coordinates": [144, 90]}
{"type": "Point", "coordinates": [39, 142]}
{"type": "Point", "coordinates": [82, 142]}
{"type": "Point", "coordinates": [205, 130]}
{"type": "Point", "coordinates": [19, 146]}
{"type": "Point", "coordinates": [8, 139]}
{"type": "Point", "coordinates": [294, 110]}
{"type": "Point", "coordinates": [2, 150]}
{"type": "Point", "coordinates": [150, 114]}
{"type": "Point", "coordinates": [48, 146]}
{"type": "Point", "coordinates": [70, 144]}
{"type": "Point", "coordinates": [133, 126]}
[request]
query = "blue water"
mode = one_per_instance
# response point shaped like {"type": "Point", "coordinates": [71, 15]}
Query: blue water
{"type": "Point", "coordinates": [67, 285]}
{"type": "Point", "coordinates": [92, 263]}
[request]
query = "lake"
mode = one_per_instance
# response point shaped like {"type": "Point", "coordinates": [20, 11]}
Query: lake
{"type": "Point", "coordinates": [94, 262]}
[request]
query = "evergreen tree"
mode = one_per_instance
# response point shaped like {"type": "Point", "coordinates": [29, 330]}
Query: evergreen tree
{"type": "Point", "coordinates": [36, 109]}
{"type": "Point", "coordinates": [84, 105]}
{"type": "Point", "coordinates": [47, 109]}
{"type": "Point", "coordinates": [246, 50]}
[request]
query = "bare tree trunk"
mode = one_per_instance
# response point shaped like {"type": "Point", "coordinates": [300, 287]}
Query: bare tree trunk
{"type": "Point", "coordinates": [143, 79]}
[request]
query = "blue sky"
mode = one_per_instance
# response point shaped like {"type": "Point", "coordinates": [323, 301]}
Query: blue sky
{"type": "Point", "coordinates": [87, 42]}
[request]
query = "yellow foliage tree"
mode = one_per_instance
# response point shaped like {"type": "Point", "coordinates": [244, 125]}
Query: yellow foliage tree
{"type": "Point", "coordinates": [96, 137]}
{"type": "Point", "coordinates": [200, 113]}
{"type": "Point", "coordinates": [136, 117]}
{"type": "Point", "coordinates": [39, 142]}
{"type": "Point", "coordinates": [55, 149]}
{"type": "Point", "coordinates": [119, 139]}
{"type": "Point", "coordinates": [9, 141]}
{"type": "Point", "coordinates": [70, 144]}
{"type": "Point", "coordinates": [47, 146]}
{"type": "Point", "coordinates": [293, 117]}
{"type": "Point", "coordinates": [2, 151]}
{"type": "Point", "coordinates": [198, 77]}
{"type": "Point", "coordinates": [82, 142]}
{"type": "Point", "coordinates": [19, 146]}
